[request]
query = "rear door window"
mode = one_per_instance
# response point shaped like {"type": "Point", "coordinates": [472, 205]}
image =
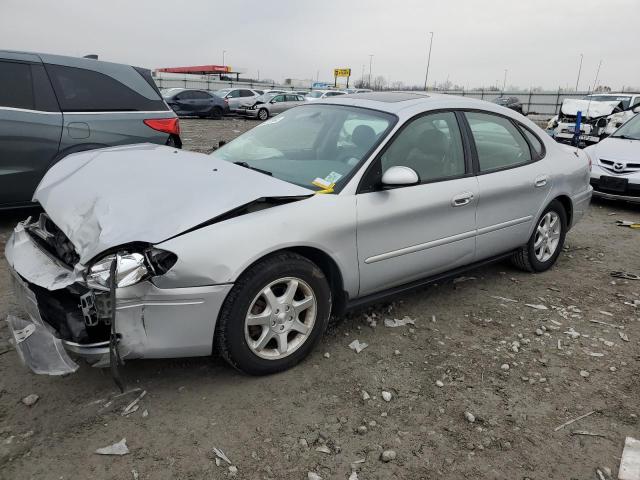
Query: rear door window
{"type": "Point", "coordinates": [247, 93]}
{"type": "Point", "coordinates": [499, 144]}
{"type": "Point", "coordinates": [16, 86]}
{"type": "Point", "coordinates": [82, 90]}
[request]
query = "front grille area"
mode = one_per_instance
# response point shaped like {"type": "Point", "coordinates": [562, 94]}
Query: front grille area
{"type": "Point", "coordinates": [53, 240]}
{"type": "Point", "coordinates": [629, 167]}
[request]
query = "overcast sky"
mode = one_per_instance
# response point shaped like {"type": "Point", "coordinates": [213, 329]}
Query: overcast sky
{"type": "Point", "coordinates": [538, 41]}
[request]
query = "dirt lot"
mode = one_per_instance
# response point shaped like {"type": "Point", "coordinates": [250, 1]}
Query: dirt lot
{"type": "Point", "coordinates": [460, 357]}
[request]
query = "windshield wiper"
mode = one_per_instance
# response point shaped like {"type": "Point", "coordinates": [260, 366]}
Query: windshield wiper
{"type": "Point", "coordinates": [246, 165]}
{"type": "Point", "coordinates": [625, 137]}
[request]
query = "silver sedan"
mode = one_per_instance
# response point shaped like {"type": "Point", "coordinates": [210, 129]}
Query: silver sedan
{"type": "Point", "coordinates": [146, 251]}
{"type": "Point", "coordinates": [270, 104]}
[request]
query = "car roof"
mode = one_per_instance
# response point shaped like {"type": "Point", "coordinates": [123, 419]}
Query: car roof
{"type": "Point", "coordinates": [396, 102]}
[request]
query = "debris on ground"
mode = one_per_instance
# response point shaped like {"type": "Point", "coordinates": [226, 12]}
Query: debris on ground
{"type": "Point", "coordinates": [605, 323]}
{"type": "Point", "coordinates": [623, 336]}
{"type": "Point", "coordinates": [365, 395]}
{"type": "Point", "coordinates": [470, 417]}
{"type": "Point", "coordinates": [323, 449]}
{"type": "Point", "coordinates": [573, 420]}
{"type": "Point", "coordinates": [220, 454]}
{"type": "Point", "coordinates": [134, 474]}
{"type": "Point", "coordinates": [388, 455]}
{"type": "Point", "coordinates": [313, 476]}
{"type": "Point", "coordinates": [30, 400]}
{"type": "Point", "coordinates": [626, 275]}
{"type": "Point", "coordinates": [630, 461]}
{"type": "Point", "coordinates": [463, 279]}
{"type": "Point", "coordinates": [588, 434]}
{"type": "Point", "coordinates": [439, 383]}
{"type": "Point", "coordinates": [628, 223]}
{"type": "Point", "coordinates": [118, 448]}
{"type": "Point", "coordinates": [233, 470]}
{"type": "Point", "coordinates": [358, 346]}
{"type": "Point", "coordinates": [133, 406]}
{"type": "Point", "coordinates": [504, 299]}
{"type": "Point", "coordinates": [537, 306]}
{"type": "Point", "coordinates": [398, 323]}
{"type": "Point", "coordinates": [386, 396]}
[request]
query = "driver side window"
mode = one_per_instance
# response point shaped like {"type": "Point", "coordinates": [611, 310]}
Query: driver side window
{"type": "Point", "coordinates": [431, 145]}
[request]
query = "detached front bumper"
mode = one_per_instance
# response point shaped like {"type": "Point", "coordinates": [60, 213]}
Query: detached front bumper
{"type": "Point", "coordinates": [150, 322]}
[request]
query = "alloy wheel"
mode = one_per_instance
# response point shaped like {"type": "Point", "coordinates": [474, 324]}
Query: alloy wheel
{"type": "Point", "coordinates": [280, 318]}
{"type": "Point", "coordinates": [547, 236]}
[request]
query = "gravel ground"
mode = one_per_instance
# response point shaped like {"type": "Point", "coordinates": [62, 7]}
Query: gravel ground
{"type": "Point", "coordinates": [478, 386]}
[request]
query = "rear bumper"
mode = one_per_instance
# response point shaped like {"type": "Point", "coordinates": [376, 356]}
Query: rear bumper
{"type": "Point", "coordinates": [151, 322]}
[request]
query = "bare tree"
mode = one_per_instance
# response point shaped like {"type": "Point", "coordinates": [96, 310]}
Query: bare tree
{"type": "Point", "coordinates": [379, 83]}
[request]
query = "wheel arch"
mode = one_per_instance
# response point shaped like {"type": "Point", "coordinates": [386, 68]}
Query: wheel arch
{"type": "Point", "coordinates": [329, 268]}
{"type": "Point", "coordinates": [567, 204]}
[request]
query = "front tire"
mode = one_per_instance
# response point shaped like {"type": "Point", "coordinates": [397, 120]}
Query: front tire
{"type": "Point", "coordinates": [263, 114]}
{"type": "Point", "coordinates": [274, 315]}
{"type": "Point", "coordinates": [542, 250]}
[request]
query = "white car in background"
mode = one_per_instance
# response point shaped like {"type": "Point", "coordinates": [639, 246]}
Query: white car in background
{"type": "Point", "coordinates": [314, 95]}
{"type": "Point", "coordinates": [616, 164]}
{"type": "Point", "coordinates": [236, 96]}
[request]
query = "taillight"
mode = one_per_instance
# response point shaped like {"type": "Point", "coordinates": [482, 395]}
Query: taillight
{"type": "Point", "coordinates": [166, 125]}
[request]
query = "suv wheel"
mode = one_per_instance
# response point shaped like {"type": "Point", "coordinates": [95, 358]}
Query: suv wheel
{"type": "Point", "coordinates": [547, 239]}
{"type": "Point", "coordinates": [274, 315]}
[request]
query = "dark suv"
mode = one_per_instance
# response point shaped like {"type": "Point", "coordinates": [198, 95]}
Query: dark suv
{"type": "Point", "coordinates": [52, 106]}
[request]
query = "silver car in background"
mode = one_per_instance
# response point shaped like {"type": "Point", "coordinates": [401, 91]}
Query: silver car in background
{"type": "Point", "coordinates": [270, 104]}
{"type": "Point", "coordinates": [323, 208]}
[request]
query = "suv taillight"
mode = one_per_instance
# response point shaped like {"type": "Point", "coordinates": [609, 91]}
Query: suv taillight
{"type": "Point", "coordinates": [166, 125]}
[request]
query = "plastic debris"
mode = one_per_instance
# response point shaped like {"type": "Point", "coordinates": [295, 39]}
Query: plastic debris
{"type": "Point", "coordinates": [626, 275]}
{"type": "Point", "coordinates": [628, 223]}
{"type": "Point", "coordinates": [30, 400]}
{"type": "Point", "coordinates": [398, 323]}
{"type": "Point", "coordinates": [323, 449]}
{"type": "Point", "coordinates": [313, 476]}
{"type": "Point", "coordinates": [600, 322]}
{"type": "Point", "coordinates": [504, 299]}
{"type": "Point", "coordinates": [119, 448]}
{"type": "Point", "coordinates": [537, 306]}
{"type": "Point", "coordinates": [630, 461]}
{"type": "Point", "coordinates": [358, 346]}
{"type": "Point", "coordinates": [353, 476]}
{"type": "Point", "coordinates": [233, 470]}
{"type": "Point", "coordinates": [220, 454]}
{"type": "Point", "coordinates": [470, 417]}
{"type": "Point", "coordinates": [133, 406]}
{"type": "Point", "coordinates": [365, 395]}
{"type": "Point", "coordinates": [386, 396]}
{"type": "Point", "coordinates": [572, 333]}
{"type": "Point", "coordinates": [573, 420]}
{"type": "Point", "coordinates": [623, 336]}
{"type": "Point", "coordinates": [135, 475]}
{"type": "Point", "coordinates": [145, 413]}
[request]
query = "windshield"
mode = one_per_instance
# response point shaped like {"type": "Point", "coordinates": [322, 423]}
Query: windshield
{"type": "Point", "coordinates": [314, 94]}
{"type": "Point", "coordinates": [319, 144]}
{"type": "Point", "coordinates": [630, 130]}
{"type": "Point", "coordinates": [610, 98]}
{"type": "Point", "coordinates": [223, 92]}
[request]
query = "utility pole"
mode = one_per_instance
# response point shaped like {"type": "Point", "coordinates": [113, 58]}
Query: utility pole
{"type": "Point", "coordinates": [426, 77]}
{"type": "Point", "coordinates": [223, 52]}
{"type": "Point", "coordinates": [370, 62]}
{"type": "Point", "coordinates": [504, 81]}
{"type": "Point", "coordinates": [579, 70]}
{"type": "Point", "coordinates": [362, 77]}
{"type": "Point", "coordinates": [595, 83]}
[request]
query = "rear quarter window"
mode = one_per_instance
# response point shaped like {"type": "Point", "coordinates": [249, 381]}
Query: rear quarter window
{"type": "Point", "coordinates": [82, 90]}
{"type": "Point", "coordinates": [16, 86]}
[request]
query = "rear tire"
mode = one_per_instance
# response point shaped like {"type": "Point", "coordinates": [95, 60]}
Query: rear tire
{"type": "Point", "coordinates": [216, 113]}
{"type": "Point", "coordinates": [263, 114]}
{"type": "Point", "coordinates": [274, 315]}
{"type": "Point", "coordinates": [543, 248]}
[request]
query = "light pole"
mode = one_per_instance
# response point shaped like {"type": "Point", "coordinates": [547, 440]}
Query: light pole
{"type": "Point", "coordinates": [595, 82]}
{"type": "Point", "coordinates": [579, 70]}
{"type": "Point", "coordinates": [223, 52]}
{"type": "Point", "coordinates": [370, 62]}
{"type": "Point", "coordinates": [426, 77]}
{"type": "Point", "coordinates": [504, 82]}
{"type": "Point", "coordinates": [362, 77]}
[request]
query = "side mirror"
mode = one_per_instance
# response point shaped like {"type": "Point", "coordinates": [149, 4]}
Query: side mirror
{"type": "Point", "coordinates": [398, 176]}
{"type": "Point", "coordinates": [636, 109]}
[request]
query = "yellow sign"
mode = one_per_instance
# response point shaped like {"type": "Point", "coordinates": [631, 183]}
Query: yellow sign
{"type": "Point", "coordinates": [341, 72]}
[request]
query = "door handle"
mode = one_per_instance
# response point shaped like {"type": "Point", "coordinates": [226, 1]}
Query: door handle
{"type": "Point", "coordinates": [462, 199]}
{"type": "Point", "coordinates": [540, 181]}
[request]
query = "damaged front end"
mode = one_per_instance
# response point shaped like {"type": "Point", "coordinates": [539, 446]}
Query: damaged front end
{"type": "Point", "coordinates": [595, 116]}
{"type": "Point", "coordinates": [70, 308]}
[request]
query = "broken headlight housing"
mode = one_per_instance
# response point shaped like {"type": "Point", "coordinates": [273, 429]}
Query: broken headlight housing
{"type": "Point", "coordinates": [131, 268]}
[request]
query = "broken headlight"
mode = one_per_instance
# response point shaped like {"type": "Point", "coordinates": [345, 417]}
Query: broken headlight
{"type": "Point", "coordinates": [131, 268]}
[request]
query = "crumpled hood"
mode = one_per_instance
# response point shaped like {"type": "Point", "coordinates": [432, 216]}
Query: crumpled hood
{"type": "Point", "coordinates": [589, 108]}
{"type": "Point", "coordinates": [146, 193]}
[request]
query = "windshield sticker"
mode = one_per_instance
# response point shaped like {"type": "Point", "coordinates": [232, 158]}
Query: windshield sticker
{"type": "Point", "coordinates": [321, 182]}
{"type": "Point", "coordinates": [333, 177]}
